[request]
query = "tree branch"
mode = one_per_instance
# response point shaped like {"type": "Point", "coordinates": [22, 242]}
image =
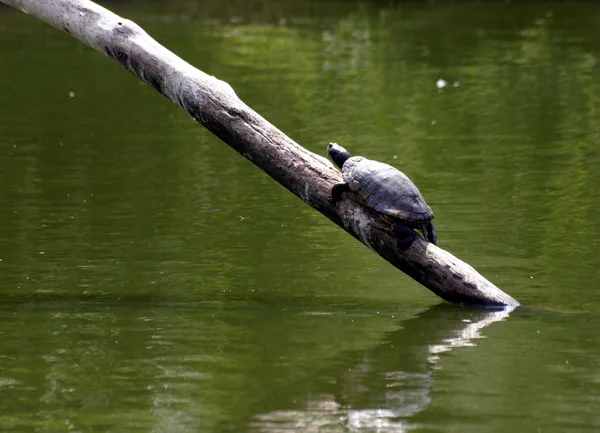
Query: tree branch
{"type": "Point", "coordinates": [214, 104]}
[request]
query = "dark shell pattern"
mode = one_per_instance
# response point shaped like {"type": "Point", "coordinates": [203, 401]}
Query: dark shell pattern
{"type": "Point", "coordinates": [386, 189]}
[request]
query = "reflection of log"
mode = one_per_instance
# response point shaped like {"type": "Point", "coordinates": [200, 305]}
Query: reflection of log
{"type": "Point", "coordinates": [416, 344]}
{"type": "Point", "coordinates": [381, 388]}
{"type": "Point", "coordinates": [396, 374]}
{"type": "Point", "coordinates": [214, 104]}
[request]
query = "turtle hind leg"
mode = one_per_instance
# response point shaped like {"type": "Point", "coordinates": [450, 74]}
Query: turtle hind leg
{"type": "Point", "coordinates": [337, 191]}
{"type": "Point", "coordinates": [404, 233]}
{"type": "Point", "coordinates": [429, 233]}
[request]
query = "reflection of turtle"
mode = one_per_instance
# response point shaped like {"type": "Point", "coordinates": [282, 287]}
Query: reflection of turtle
{"type": "Point", "coordinates": [385, 189]}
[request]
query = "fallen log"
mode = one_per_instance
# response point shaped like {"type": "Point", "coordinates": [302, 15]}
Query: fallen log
{"type": "Point", "coordinates": [214, 104]}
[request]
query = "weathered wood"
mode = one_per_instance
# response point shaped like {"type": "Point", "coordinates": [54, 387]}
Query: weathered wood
{"type": "Point", "coordinates": [214, 104]}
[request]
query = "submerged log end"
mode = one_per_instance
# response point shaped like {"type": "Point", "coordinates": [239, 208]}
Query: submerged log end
{"type": "Point", "coordinates": [435, 268]}
{"type": "Point", "coordinates": [458, 282]}
{"type": "Point", "coordinates": [448, 277]}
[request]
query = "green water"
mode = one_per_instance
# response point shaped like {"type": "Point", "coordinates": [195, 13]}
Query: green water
{"type": "Point", "coordinates": [151, 279]}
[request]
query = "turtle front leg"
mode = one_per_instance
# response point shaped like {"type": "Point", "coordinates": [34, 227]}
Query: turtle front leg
{"type": "Point", "coordinates": [337, 191]}
{"type": "Point", "coordinates": [404, 233]}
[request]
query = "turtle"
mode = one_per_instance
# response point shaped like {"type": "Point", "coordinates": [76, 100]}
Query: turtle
{"type": "Point", "coordinates": [386, 190]}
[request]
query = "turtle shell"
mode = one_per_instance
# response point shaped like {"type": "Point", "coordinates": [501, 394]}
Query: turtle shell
{"type": "Point", "coordinates": [385, 189]}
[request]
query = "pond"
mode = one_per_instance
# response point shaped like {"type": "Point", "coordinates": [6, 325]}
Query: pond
{"type": "Point", "coordinates": [152, 279]}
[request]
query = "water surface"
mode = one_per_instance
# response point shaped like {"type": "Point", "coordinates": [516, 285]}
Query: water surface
{"type": "Point", "coordinates": [151, 279]}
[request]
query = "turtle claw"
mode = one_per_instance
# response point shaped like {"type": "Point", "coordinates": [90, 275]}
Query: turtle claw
{"type": "Point", "coordinates": [404, 234]}
{"type": "Point", "coordinates": [431, 236]}
{"type": "Point", "coordinates": [337, 191]}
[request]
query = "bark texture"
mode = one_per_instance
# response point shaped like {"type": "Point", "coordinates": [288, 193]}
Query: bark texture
{"type": "Point", "coordinates": [214, 104]}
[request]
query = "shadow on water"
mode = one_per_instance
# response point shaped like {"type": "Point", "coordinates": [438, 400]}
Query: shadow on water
{"type": "Point", "coordinates": [381, 388]}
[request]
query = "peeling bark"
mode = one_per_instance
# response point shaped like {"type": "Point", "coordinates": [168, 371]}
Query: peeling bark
{"type": "Point", "coordinates": [214, 104]}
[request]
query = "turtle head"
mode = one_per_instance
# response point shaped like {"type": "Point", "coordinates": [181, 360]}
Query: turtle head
{"type": "Point", "coordinates": [338, 154]}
